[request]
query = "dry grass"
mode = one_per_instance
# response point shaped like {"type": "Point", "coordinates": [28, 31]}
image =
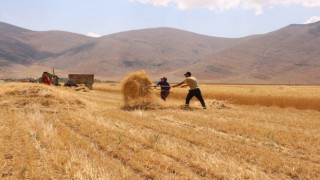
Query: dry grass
{"type": "Point", "coordinates": [300, 97]}
{"type": "Point", "coordinates": [60, 133]}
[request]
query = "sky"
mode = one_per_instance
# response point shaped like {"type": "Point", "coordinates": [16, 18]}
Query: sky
{"type": "Point", "coordinates": [219, 18]}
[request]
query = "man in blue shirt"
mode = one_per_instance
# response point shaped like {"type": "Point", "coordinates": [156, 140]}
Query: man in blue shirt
{"type": "Point", "coordinates": [165, 88]}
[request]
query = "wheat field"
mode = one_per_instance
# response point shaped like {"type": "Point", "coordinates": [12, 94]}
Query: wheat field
{"type": "Point", "coordinates": [247, 132]}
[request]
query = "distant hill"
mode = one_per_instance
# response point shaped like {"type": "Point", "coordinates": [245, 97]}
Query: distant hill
{"type": "Point", "coordinates": [22, 46]}
{"type": "Point", "coordinates": [288, 55]}
{"type": "Point", "coordinates": [160, 51]}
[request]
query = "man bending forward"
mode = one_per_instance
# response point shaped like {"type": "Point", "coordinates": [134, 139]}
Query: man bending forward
{"type": "Point", "coordinates": [194, 89]}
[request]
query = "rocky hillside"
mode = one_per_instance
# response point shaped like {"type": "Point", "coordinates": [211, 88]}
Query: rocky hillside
{"type": "Point", "coordinates": [288, 55]}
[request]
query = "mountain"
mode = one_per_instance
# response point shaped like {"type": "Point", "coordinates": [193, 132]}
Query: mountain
{"type": "Point", "coordinates": [159, 50]}
{"type": "Point", "coordinates": [22, 46]}
{"type": "Point", "coordinates": [287, 55]}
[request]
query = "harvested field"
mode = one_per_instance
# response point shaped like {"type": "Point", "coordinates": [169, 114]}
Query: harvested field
{"type": "Point", "coordinates": [62, 133]}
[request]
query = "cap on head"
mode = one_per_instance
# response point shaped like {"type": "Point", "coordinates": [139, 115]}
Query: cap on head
{"type": "Point", "coordinates": [187, 73]}
{"type": "Point", "coordinates": [164, 78]}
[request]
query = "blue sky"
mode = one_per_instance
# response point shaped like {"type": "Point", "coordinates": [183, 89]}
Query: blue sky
{"type": "Point", "coordinates": [222, 18]}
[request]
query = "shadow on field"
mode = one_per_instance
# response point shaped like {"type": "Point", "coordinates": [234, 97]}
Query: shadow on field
{"type": "Point", "coordinates": [147, 106]}
{"type": "Point", "coordinates": [211, 104]}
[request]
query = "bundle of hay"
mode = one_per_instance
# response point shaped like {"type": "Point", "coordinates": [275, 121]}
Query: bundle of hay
{"type": "Point", "coordinates": [215, 104]}
{"type": "Point", "coordinates": [37, 96]}
{"type": "Point", "coordinates": [212, 104]}
{"type": "Point", "coordinates": [82, 89]}
{"type": "Point", "coordinates": [136, 91]}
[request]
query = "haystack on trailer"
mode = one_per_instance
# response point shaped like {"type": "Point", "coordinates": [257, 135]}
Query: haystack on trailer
{"type": "Point", "coordinates": [86, 79]}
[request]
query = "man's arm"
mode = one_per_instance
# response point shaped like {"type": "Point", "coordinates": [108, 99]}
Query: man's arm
{"type": "Point", "coordinates": [156, 85]}
{"type": "Point", "coordinates": [179, 84]}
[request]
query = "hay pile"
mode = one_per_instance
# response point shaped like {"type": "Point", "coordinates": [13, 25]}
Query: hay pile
{"type": "Point", "coordinates": [82, 89]}
{"type": "Point", "coordinates": [28, 96]}
{"type": "Point", "coordinates": [136, 91]}
{"type": "Point", "coordinates": [215, 104]}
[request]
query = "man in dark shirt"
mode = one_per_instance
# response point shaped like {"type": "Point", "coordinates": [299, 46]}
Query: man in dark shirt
{"type": "Point", "coordinates": [165, 88]}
